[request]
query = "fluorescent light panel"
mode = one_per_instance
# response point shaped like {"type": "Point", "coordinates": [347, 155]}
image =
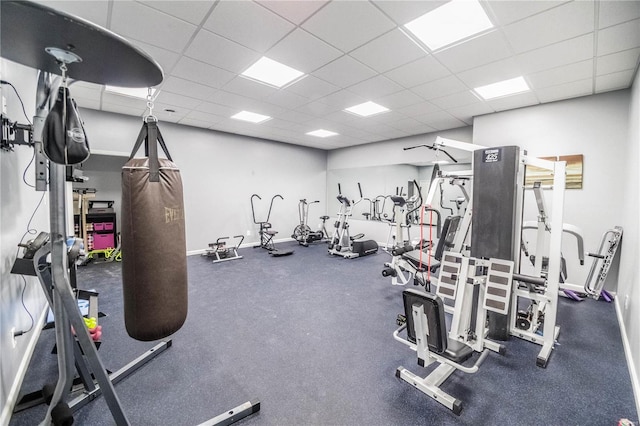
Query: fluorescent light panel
{"type": "Point", "coordinates": [251, 117]}
{"type": "Point", "coordinates": [450, 23]}
{"type": "Point", "coordinates": [502, 88]}
{"type": "Point", "coordinates": [134, 92]}
{"type": "Point", "coordinates": [366, 109]}
{"type": "Point", "coordinates": [273, 73]}
{"type": "Point", "coordinates": [321, 133]}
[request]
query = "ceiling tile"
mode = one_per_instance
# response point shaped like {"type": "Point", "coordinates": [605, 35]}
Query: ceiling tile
{"type": "Point", "coordinates": [286, 99]}
{"type": "Point", "coordinates": [344, 72]}
{"type": "Point", "coordinates": [620, 61]}
{"type": "Point", "coordinates": [403, 11]}
{"type": "Point", "coordinates": [567, 90]}
{"type": "Point", "coordinates": [413, 126]}
{"type": "Point", "coordinates": [419, 109]}
{"type": "Point", "coordinates": [294, 10]}
{"type": "Point", "coordinates": [316, 109]}
{"type": "Point", "coordinates": [438, 88]}
{"type": "Point", "coordinates": [564, 74]}
{"type": "Point", "coordinates": [418, 72]}
{"type": "Point", "coordinates": [455, 100]}
{"type": "Point", "coordinates": [177, 100]}
{"type": "Point", "coordinates": [122, 109]}
{"type": "Point", "coordinates": [215, 50]}
{"type": "Point", "coordinates": [616, 12]}
{"type": "Point", "coordinates": [129, 101]}
{"type": "Point", "coordinates": [294, 116]}
{"type": "Point", "coordinates": [151, 26]}
{"type": "Point", "coordinates": [514, 101]}
{"type": "Point", "coordinates": [467, 112]}
{"type": "Point", "coordinates": [217, 109]}
{"type": "Point", "coordinates": [166, 58]}
{"type": "Point", "coordinates": [561, 23]}
{"type": "Point", "coordinates": [478, 51]}
{"type": "Point", "coordinates": [199, 72]}
{"type": "Point", "coordinates": [441, 120]}
{"type": "Point", "coordinates": [249, 88]}
{"type": "Point", "coordinates": [341, 117]}
{"type": "Point", "coordinates": [399, 99]}
{"type": "Point", "coordinates": [555, 55]}
{"type": "Point", "coordinates": [312, 88]}
{"type": "Point", "coordinates": [375, 87]}
{"type": "Point", "coordinates": [94, 11]}
{"type": "Point", "coordinates": [203, 116]}
{"type": "Point", "coordinates": [195, 123]}
{"type": "Point", "coordinates": [614, 81]}
{"type": "Point", "coordinates": [619, 37]}
{"type": "Point", "coordinates": [335, 24]}
{"type": "Point", "coordinates": [343, 99]}
{"type": "Point", "coordinates": [187, 10]}
{"type": "Point", "coordinates": [160, 112]}
{"type": "Point", "coordinates": [491, 73]}
{"type": "Point", "coordinates": [398, 50]}
{"type": "Point", "coordinates": [248, 24]}
{"type": "Point", "coordinates": [506, 12]}
{"type": "Point", "coordinates": [303, 51]}
{"type": "Point", "coordinates": [187, 88]}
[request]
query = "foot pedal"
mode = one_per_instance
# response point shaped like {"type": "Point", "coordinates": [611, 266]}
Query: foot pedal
{"type": "Point", "coordinates": [498, 292]}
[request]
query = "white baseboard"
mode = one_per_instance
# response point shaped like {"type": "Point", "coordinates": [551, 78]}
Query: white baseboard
{"type": "Point", "coordinates": [14, 391]}
{"type": "Point", "coordinates": [635, 383]}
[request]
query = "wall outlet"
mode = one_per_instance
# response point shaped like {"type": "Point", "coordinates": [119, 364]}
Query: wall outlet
{"type": "Point", "coordinates": [14, 342]}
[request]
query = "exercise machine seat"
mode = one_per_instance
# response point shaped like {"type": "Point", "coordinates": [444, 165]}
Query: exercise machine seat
{"type": "Point", "coordinates": [437, 339]}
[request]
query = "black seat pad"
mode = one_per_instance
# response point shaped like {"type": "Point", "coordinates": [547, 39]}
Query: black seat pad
{"type": "Point", "coordinates": [457, 351]}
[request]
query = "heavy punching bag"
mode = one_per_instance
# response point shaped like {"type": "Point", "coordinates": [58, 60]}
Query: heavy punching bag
{"type": "Point", "coordinates": [154, 262]}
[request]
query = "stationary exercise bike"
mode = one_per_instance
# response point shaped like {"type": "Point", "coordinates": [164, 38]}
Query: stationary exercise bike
{"type": "Point", "coordinates": [303, 233]}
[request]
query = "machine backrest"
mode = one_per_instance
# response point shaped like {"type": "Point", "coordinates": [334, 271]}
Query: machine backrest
{"type": "Point", "coordinates": [449, 229]}
{"type": "Point", "coordinates": [434, 310]}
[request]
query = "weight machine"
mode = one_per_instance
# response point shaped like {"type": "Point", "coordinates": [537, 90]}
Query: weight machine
{"type": "Point", "coordinates": [607, 249]}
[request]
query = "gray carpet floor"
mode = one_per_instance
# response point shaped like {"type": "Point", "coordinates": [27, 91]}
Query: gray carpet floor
{"type": "Point", "coordinates": [310, 336]}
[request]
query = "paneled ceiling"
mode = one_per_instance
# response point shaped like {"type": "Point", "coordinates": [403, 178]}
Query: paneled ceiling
{"type": "Point", "coordinates": [356, 51]}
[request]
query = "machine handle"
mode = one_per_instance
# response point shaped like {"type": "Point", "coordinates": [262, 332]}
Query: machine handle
{"type": "Point", "coordinates": [339, 190]}
{"type": "Point", "coordinates": [360, 189]}
{"type": "Point", "coordinates": [529, 279]}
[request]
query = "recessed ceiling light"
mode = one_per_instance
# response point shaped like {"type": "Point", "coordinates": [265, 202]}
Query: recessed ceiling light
{"type": "Point", "coordinates": [450, 23]}
{"type": "Point", "coordinates": [251, 117]}
{"type": "Point", "coordinates": [134, 92]}
{"type": "Point", "coordinates": [273, 73]}
{"type": "Point", "coordinates": [366, 109]}
{"type": "Point", "coordinates": [502, 88]}
{"type": "Point", "coordinates": [321, 133]}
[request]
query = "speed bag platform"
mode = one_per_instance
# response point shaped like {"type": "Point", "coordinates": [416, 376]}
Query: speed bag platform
{"type": "Point", "coordinates": [154, 262]}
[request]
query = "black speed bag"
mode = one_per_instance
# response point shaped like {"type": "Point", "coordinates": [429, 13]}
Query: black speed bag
{"type": "Point", "coordinates": [63, 137]}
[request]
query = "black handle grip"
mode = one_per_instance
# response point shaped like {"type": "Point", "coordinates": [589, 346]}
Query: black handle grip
{"type": "Point", "coordinates": [360, 189]}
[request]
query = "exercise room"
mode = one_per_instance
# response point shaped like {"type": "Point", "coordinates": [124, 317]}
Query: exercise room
{"type": "Point", "coordinates": [319, 212]}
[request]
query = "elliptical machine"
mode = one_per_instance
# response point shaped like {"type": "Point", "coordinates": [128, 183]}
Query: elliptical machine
{"type": "Point", "coordinates": [342, 243]}
{"type": "Point", "coordinates": [303, 233]}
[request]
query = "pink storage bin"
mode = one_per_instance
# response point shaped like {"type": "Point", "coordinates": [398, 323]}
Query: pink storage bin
{"type": "Point", "coordinates": [103, 241]}
{"type": "Point", "coordinates": [108, 226]}
{"type": "Point", "coordinates": [98, 226]}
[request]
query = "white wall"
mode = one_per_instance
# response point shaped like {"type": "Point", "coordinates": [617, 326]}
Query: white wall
{"type": "Point", "coordinates": [595, 126]}
{"type": "Point", "coordinates": [220, 172]}
{"type": "Point", "coordinates": [629, 277]}
{"type": "Point", "coordinates": [18, 202]}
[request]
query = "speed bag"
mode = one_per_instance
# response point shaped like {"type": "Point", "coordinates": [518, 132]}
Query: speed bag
{"type": "Point", "coordinates": [154, 260]}
{"type": "Point", "coordinates": [64, 140]}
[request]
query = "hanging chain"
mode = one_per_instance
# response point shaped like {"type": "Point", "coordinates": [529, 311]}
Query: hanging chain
{"type": "Point", "coordinates": [63, 68]}
{"type": "Point", "coordinates": [150, 116]}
